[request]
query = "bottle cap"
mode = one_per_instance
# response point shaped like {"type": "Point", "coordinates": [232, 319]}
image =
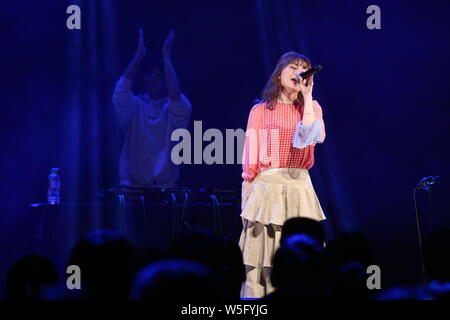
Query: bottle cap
{"type": "Point", "coordinates": [54, 170]}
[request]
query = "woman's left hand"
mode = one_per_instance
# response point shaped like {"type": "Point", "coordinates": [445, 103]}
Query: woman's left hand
{"type": "Point", "coordinates": [306, 85]}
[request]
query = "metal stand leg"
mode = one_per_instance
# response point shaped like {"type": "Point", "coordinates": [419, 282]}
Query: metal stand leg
{"type": "Point", "coordinates": [146, 222]}
{"type": "Point", "coordinates": [175, 216]}
{"type": "Point", "coordinates": [122, 205]}
{"type": "Point", "coordinates": [216, 215]}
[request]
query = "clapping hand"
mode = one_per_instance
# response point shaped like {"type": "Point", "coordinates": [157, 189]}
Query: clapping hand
{"type": "Point", "coordinates": [168, 43]}
{"type": "Point", "coordinates": [141, 49]}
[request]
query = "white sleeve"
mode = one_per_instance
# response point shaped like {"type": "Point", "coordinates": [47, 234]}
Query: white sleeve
{"type": "Point", "coordinates": [306, 135]}
{"type": "Point", "coordinates": [179, 112]}
{"type": "Point", "coordinates": [125, 103]}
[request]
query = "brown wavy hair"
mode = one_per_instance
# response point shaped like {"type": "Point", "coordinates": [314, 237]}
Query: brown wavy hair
{"type": "Point", "coordinates": [273, 88]}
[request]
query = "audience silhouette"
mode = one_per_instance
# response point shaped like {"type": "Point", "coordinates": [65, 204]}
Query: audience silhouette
{"type": "Point", "coordinates": [202, 266]}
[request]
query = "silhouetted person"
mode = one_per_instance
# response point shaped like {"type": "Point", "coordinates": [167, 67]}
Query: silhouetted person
{"type": "Point", "coordinates": [233, 270]}
{"type": "Point", "coordinates": [308, 226]}
{"type": "Point", "coordinates": [148, 120]}
{"type": "Point", "coordinates": [149, 255]}
{"type": "Point", "coordinates": [108, 264]}
{"type": "Point", "coordinates": [349, 282]}
{"type": "Point", "coordinates": [350, 254]}
{"type": "Point", "coordinates": [176, 280]}
{"type": "Point", "coordinates": [436, 251]}
{"type": "Point", "coordinates": [224, 258]}
{"type": "Point", "coordinates": [350, 247]}
{"type": "Point", "coordinates": [403, 293]}
{"type": "Point", "coordinates": [300, 270]}
{"type": "Point", "coordinates": [29, 276]}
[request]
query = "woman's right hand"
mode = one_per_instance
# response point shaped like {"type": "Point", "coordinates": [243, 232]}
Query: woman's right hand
{"type": "Point", "coordinates": [245, 192]}
{"type": "Point", "coordinates": [141, 49]}
{"type": "Point", "coordinates": [306, 86]}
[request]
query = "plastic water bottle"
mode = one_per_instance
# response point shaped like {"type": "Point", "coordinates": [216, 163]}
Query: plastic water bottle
{"type": "Point", "coordinates": [54, 186]}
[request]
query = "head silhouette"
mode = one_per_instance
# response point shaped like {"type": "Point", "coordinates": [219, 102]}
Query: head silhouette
{"type": "Point", "coordinates": [435, 250]}
{"type": "Point", "coordinates": [175, 280]}
{"type": "Point", "coordinates": [107, 263]}
{"type": "Point", "coordinates": [29, 276]}
{"type": "Point", "coordinates": [307, 226]}
{"type": "Point", "coordinates": [299, 268]}
{"type": "Point", "coordinates": [350, 247]}
{"type": "Point", "coordinates": [224, 258]}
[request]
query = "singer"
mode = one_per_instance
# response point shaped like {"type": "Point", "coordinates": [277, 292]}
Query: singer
{"type": "Point", "coordinates": [282, 132]}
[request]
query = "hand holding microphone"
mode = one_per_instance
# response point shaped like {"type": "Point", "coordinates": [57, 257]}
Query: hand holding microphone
{"type": "Point", "coordinates": [308, 73]}
{"type": "Point", "coordinates": [305, 80]}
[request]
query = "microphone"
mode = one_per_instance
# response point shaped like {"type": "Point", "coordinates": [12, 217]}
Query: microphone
{"type": "Point", "coordinates": [308, 73]}
{"type": "Point", "coordinates": [427, 182]}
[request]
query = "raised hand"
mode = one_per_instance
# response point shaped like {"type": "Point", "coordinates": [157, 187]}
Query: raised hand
{"type": "Point", "coordinates": [306, 85]}
{"type": "Point", "coordinates": [141, 49]}
{"type": "Point", "coordinates": [168, 43]}
{"type": "Point", "coordinates": [173, 86]}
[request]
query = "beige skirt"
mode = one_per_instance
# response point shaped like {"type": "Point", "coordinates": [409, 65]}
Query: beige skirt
{"type": "Point", "coordinates": [274, 196]}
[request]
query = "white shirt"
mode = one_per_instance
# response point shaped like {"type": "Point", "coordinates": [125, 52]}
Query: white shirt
{"type": "Point", "coordinates": [148, 125]}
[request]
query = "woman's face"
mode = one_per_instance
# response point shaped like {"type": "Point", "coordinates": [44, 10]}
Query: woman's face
{"type": "Point", "coordinates": [287, 76]}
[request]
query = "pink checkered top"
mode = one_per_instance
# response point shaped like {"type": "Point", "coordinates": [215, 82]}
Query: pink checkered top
{"type": "Point", "coordinates": [269, 137]}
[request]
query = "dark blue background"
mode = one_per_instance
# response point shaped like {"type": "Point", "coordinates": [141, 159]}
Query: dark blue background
{"type": "Point", "coordinates": [384, 94]}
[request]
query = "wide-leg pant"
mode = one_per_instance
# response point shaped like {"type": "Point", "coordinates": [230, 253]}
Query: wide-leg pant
{"type": "Point", "coordinates": [274, 196]}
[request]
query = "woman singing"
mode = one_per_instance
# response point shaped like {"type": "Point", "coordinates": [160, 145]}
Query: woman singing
{"type": "Point", "coordinates": [281, 134]}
